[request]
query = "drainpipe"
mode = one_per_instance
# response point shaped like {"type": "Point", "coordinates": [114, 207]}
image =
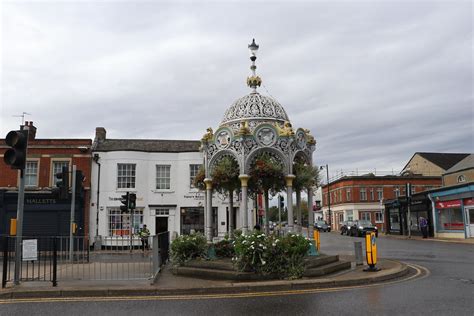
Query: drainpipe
{"type": "Point", "coordinates": [433, 216]}
{"type": "Point", "coordinates": [96, 160]}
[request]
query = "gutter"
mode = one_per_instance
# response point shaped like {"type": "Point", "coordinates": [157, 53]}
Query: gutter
{"type": "Point", "coordinates": [96, 160]}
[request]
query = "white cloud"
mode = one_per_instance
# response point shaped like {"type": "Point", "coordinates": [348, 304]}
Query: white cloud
{"type": "Point", "coordinates": [373, 81]}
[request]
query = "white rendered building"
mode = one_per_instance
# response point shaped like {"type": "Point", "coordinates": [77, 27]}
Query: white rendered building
{"type": "Point", "coordinates": [160, 173]}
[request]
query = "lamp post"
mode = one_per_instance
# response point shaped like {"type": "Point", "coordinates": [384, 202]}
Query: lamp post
{"type": "Point", "coordinates": [329, 193]}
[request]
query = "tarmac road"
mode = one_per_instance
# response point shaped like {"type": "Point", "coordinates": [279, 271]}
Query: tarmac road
{"type": "Point", "coordinates": [448, 289]}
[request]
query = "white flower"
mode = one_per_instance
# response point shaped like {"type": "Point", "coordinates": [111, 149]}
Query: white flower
{"type": "Point", "coordinates": [264, 247]}
{"type": "Point", "coordinates": [260, 245]}
{"type": "Point", "coordinates": [251, 247]}
{"type": "Point", "coordinates": [263, 262]}
{"type": "Point", "coordinates": [274, 244]}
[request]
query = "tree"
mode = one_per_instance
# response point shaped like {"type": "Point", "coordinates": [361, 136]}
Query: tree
{"type": "Point", "coordinates": [306, 177]}
{"type": "Point", "coordinates": [225, 179]}
{"type": "Point", "coordinates": [266, 175]}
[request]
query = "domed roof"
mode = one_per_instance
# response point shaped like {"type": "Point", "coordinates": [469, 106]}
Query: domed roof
{"type": "Point", "coordinates": [255, 106]}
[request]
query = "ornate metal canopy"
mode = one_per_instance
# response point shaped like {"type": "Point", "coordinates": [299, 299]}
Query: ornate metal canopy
{"type": "Point", "coordinates": [255, 124]}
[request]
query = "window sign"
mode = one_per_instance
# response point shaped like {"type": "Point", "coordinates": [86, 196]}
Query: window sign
{"type": "Point", "coordinates": [30, 249]}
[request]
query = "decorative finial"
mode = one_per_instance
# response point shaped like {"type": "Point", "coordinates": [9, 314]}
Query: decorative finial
{"type": "Point", "coordinates": [253, 81]}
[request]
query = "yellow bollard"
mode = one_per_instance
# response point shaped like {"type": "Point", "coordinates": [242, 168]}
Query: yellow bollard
{"type": "Point", "coordinates": [13, 227]}
{"type": "Point", "coordinates": [371, 252]}
{"type": "Point", "coordinates": [316, 239]}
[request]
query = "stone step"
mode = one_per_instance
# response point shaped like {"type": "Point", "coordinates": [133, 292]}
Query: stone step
{"type": "Point", "coordinates": [317, 261]}
{"type": "Point", "coordinates": [212, 274]}
{"type": "Point", "coordinates": [327, 269]}
{"type": "Point", "coordinates": [225, 265]}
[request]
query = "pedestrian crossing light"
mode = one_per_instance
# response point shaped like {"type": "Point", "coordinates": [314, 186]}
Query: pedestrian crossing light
{"type": "Point", "coordinates": [15, 157]}
{"type": "Point", "coordinates": [125, 201]}
{"type": "Point", "coordinates": [132, 198]}
{"type": "Point", "coordinates": [63, 182]}
{"type": "Point", "coordinates": [282, 201]}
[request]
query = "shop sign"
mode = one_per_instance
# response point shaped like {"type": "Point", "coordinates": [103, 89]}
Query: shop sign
{"type": "Point", "coordinates": [448, 204]}
{"type": "Point", "coordinates": [468, 202]}
{"type": "Point", "coordinates": [195, 196]}
{"type": "Point", "coordinates": [39, 201]}
{"type": "Point", "coordinates": [30, 249]}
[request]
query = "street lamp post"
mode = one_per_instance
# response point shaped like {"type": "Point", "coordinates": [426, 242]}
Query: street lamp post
{"type": "Point", "coordinates": [329, 193]}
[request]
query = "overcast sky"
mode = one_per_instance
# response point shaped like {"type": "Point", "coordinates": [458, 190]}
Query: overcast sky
{"type": "Point", "coordinates": [374, 81]}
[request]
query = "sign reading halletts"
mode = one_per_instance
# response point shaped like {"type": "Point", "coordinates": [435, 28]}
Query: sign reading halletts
{"type": "Point", "coordinates": [448, 204]}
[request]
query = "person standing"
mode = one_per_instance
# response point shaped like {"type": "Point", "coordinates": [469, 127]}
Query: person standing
{"type": "Point", "coordinates": [424, 227]}
{"type": "Point", "coordinates": [144, 234]}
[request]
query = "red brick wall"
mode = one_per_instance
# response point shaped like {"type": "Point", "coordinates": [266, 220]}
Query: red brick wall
{"type": "Point", "coordinates": [47, 150]}
{"type": "Point", "coordinates": [387, 183]}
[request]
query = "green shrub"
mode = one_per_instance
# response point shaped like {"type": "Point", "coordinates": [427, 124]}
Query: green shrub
{"type": "Point", "coordinates": [279, 256]}
{"type": "Point", "coordinates": [225, 248]}
{"type": "Point", "coordinates": [187, 247]}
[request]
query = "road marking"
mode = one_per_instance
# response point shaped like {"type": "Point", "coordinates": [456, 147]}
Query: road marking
{"type": "Point", "coordinates": [421, 272]}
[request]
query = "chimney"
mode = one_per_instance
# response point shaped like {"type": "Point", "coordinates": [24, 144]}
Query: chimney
{"type": "Point", "coordinates": [100, 134]}
{"type": "Point", "coordinates": [31, 130]}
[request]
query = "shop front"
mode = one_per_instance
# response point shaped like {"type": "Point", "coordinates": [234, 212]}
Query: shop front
{"type": "Point", "coordinates": [397, 218]}
{"type": "Point", "coordinates": [43, 214]}
{"type": "Point", "coordinates": [454, 211]}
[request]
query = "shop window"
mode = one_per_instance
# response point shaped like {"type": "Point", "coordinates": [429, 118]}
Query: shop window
{"type": "Point", "coordinates": [450, 219]}
{"type": "Point", "coordinates": [119, 223]}
{"type": "Point", "coordinates": [192, 219]}
{"type": "Point", "coordinates": [125, 175]}
{"type": "Point", "coordinates": [394, 220]}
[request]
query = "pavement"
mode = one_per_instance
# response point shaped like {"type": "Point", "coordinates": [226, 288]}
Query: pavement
{"type": "Point", "coordinates": [430, 239]}
{"type": "Point", "coordinates": [168, 284]}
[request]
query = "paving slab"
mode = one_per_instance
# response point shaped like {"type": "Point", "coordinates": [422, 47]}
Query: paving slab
{"type": "Point", "coordinates": [169, 284]}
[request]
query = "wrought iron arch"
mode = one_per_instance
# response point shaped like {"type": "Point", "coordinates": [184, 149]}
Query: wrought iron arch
{"type": "Point", "coordinates": [218, 156]}
{"type": "Point", "coordinates": [276, 153]}
{"type": "Point", "coordinates": [304, 156]}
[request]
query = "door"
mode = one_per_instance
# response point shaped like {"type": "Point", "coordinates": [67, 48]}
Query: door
{"type": "Point", "coordinates": [470, 222]}
{"type": "Point", "coordinates": [161, 225]}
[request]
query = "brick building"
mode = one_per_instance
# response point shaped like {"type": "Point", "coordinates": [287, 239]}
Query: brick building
{"type": "Point", "coordinates": [362, 197]}
{"type": "Point", "coordinates": [44, 212]}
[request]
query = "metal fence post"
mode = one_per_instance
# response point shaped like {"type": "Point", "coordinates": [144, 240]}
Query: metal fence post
{"type": "Point", "coordinates": [5, 261]}
{"type": "Point", "coordinates": [55, 262]}
{"type": "Point", "coordinates": [358, 253]}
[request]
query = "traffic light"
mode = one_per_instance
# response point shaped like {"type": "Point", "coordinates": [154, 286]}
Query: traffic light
{"type": "Point", "coordinates": [282, 201]}
{"type": "Point", "coordinates": [80, 178]}
{"type": "Point", "coordinates": [63, 183]}
{"type": "Point", "coordinates": [132, 198]}
{"type": "Point", "coordinates": [16, 155]}
{"type": "Point", "coordinates": [125, 200]}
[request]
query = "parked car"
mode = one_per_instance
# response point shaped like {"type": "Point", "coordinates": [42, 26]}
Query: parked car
{"type": "Point", "coordinates": [360, 227]}
{"type": "Point", "coordinates": [345, 226]}
{"type": "Point", "coordinates": [322, 226]}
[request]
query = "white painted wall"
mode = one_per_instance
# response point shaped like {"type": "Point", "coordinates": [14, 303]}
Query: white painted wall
{"type": "Point", "coordinates": [179, 194]}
